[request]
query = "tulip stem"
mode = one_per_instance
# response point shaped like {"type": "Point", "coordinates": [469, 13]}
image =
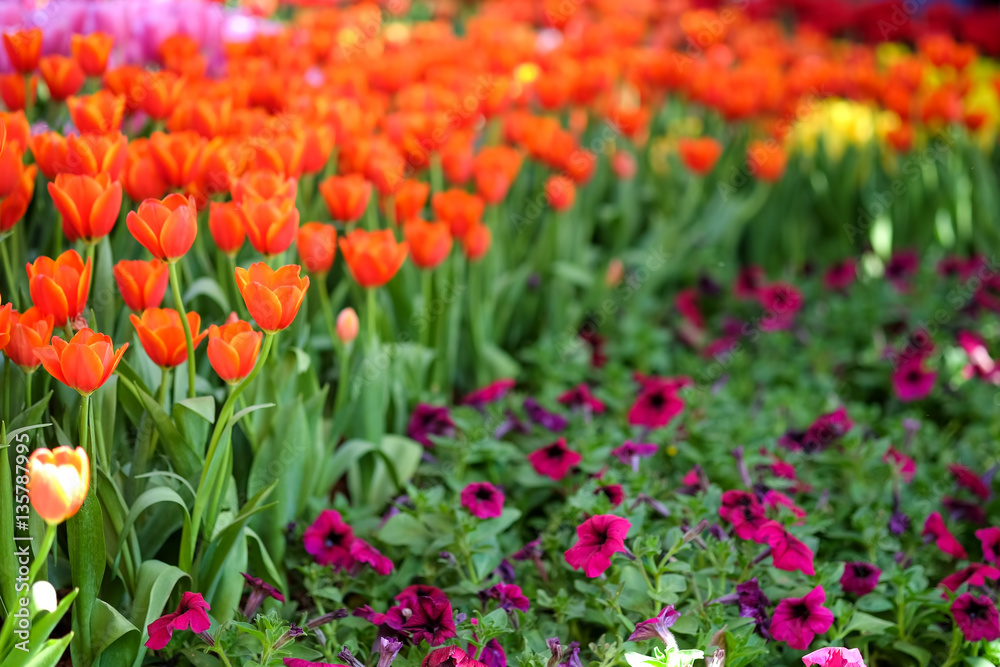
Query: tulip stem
{"type": "Point", "coordinates": [8, 269]}
{"type": "Point", "coordinates": [427, 280]}
{"type": "Point", "coordinates": [6, 389]}
{"type": "Point", "coordinates": [43, 553]}
{"type": "Point", "coordinates": [29, 101]}
{"type": "Point", "coordinates": [175, 285]}
{"type": "Point", "coordinates": [238, 304]}
{"type": "Point", "coordinates": [28, 375]}
{"type": "Point", "coordinates": [324, 299]}
{"type": "Point", "coordinates": [437, 175]}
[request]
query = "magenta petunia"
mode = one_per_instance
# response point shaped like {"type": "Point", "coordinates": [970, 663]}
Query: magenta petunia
{"type": "Point", "coordinates": [859, 578]}
{"type": "Point", "coordinates": [299, 662]}
{"type": "Point", "coordinates": [362, 552]}
{"type": "Point", "coordinates": [657, 627]}
{"type": "Point", "coordinates": [581, 398]}
{"type": "Point", "coordinates": [748, 282]}
{"type": "Point", "coordinates": [796, 621]}
{"type": "Point", "coordinates": [772, 499]}
{"type": "Point", "coordinates": [409, 595]}
{"type": "Point", "coordinates": [508, 597]}
{"type": "Point", "coordinates": [902, 265]}
{"type": "Point", "coordinates": [554, 460]}
{"type": "Point", "coordinates": [780, 301]}
{"type": "Point", "coordinates": [990, 539]}
{"type": "Point", "coordinates": [613, 492]}
{"type": "Point", "coordinates": [598, 538]}
{"type": "Point", "coordinates": [544, 418]}
{"type": "Point", "coordinates": [977, 617]}
{"type": "Point", "coordinates": [835, 657]}
{"type": "Point", "coordinates": [328, 540]}
{"type": "Point", "coordinates": [259, 589]}
{"type": "Point", "coordinates": [431, 620]}
{"type": "Point", "coordinates": [906, 466]}
{"type": "Point", "coordinates": [191, 613]}
{"type": "Point", "coordinates": [428, 420]}
{"type": "Point", "coordinates": [483, 500]}
{"type": "Point", "coordinates": [935, 529]}
{"type": "Point", "coordinates": [744, 511]}
{"type": "Point", "coordinates": [657, 403]}
{"type": "Point", "coordinates": [975, 574]}
{"type": "Point", "coordinates": [980, 362]}
{"type": "Point", "coordinates": [489, 394]}
{"type": "Point", "coordinates": [686, 303]}
{"type": "Point", "coordinates": [630, 453]}
{"type": "Point", "coordinates": [449, 656]}
{"type": "Point", "coordinates": [492, 655]}
{"type": "Point", "coordinates": [841, 275]}
{"type": "Point", "coordinates": [968, 479]}
{"type": "Point", "coordinates": [912, 381]}
{"type": "Point", "coordinates": [789, 553]}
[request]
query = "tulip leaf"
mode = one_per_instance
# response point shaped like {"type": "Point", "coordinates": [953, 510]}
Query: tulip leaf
{"type": "Point", "coordinates": [113, 505]}
{"type": "Point", "coordinates": [8, 561]}
{"type": "Point", "coordinates": [209, 287]}
{"type": "Point", "coordinates": [265, 557]}
{"type": "Point", "coordinates": [87, 562]}
{"type": "Point", "coordinates": [42, 626]}
{"type": "Point", "coordinates": [156, 581]}
{"type": "Point", "coordinates": [223, 542]}
{"type": "Point", "coordinates": [29, 417]}
{"type": "Point", "coordinates": [52, 653]}
{"type": "Point", "coordinates": [245, 411]}
{"type": "Point", "coordinates": [114, 634]}
{"type": "Point", "coordinates": [24, 429]}
{"type": "Point", "coordinates": [158, 494]}
{"type": "Point", "coordinates": [178, 449]}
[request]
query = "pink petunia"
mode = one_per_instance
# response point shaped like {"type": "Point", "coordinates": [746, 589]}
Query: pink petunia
{"type": "Point", "coordinates": [835, 657]}
{"type": "Point", "coordinates": [781, 301]}
{"type": "Point", "coordinates": [859, 578]}
{"type": "Point", "coordinates": [796, 621]}
{"type": "Point", "coordinates": [966, 477]}
{"type": "Point", "coordinates": [789, 553]}
{"type": "Point", "coordinates": [912, 381]}
{"type": "Point", "coordinates": [483, 500]}
{"type": "Point", "coordinates": [990, 539]}
{"type": "Point", "coordinates": [191, 613]}
{"type": "Point", "coordinates": [489, 394]}
{"type": "Point", "coordinates": [902, 463]}
{"type": "Point", "coordinates": [363, 552]}
{"type": "Point", "coordinates": [555, 460]}
{"type": "Point", "coordinates": [657, 403]}
{"type": "Point", "coordinates": [744, 511]}
{"type": "Point", "coordinates": [975, 574]}
{"type": "Point", "coordinates": [598, 538]}
{"type": "Point", "coordinates": [328, 540]}
{"type": "Point", "coordinates": [774, 498]}
{"type": "Point", "coordinates": [580, 397]}
{"type": "Point", "coordinates": [977, 617]}
{"type": "Point", "coordinates": [934, 528]}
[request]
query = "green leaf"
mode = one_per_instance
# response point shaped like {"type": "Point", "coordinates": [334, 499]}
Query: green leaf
{"type": "Point", "coordinates": [42, 626]}
{"type": "Point", "coordinates": [185, 461]}
{"type": "Point", "coordinates": [24, 429]}
{"type": "Point", "coordinates": [345, 456]}
{"type": "Point", "coordinates": [978, 662]}
{"type": "Point", "coordinates": [405, 530]}
{"type": "Point", "coordinates": [109, 628]}
{"type": "Point", "coordinates": [490, 528]}
{"type": "Point", "coordinates": [922, 656]}
{"type": "Point", "coordinates": [8, 561]}
{"type": "Point", "coordinates": [209, 287]}
{"type": "Point", "coordinates": [52, 653]}
{"type": "Point", "coordinates": [87, 560]}
{"type": "Point", "coordinates": [156, 581]}
{"type": "Point", "coordinates": [30, 417]}
{"type": "Point", "coordinates": [245, 411]}
{"type": "Point", "coordinates": [157, 494]}
{"type": "Point", "coordinates": [867, 624]}
{"type": "Point", "coordinates": [225, 540]}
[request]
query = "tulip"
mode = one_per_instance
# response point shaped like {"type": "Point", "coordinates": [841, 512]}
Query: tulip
{"type": "Point", "coordinates": [766, 160]}
{"type": "Point", "coordinates": [270, 224]}
{"type": "Point", "coordinates": [84, 363]}
{"type": "Point", "coordinates": [317, 244]}
{"type": "Point", "coordinates": [13, 208]}
{"type": "Point", "coordinates": [161, 333]}
{"type": "Point", "coordinates": [476, 243]}
{"type": "Point", "coordinates": [166, 228]}
{"type": "Point", "coordinates": [430, 242]}
{"type": "Point", "coordinates": [318, 143]}
{"type": "Point", "coordinates": [5, 323]}
{"type": "Point", "coordinates": [226, 226]}
{"type": "Point", "coordinates": [50, 152]}
{"type": "Point", "coordinates": [18, 93]}
{"type": "Point", "coordinates": [11, 167]}
{"type": "Point", "coordinates": [93, 154]}
{"type": "Point", "coordinates": [141, 177]}
{"type": "Point", "coordinates": [92, 52]}
{"type": "Point", "coordinates": [560, 192]}
{"type": "Point", "coordinates": [700, 155]}
{"type": "Point", "coordinates": [233, 349]}
{"type": "Point", "coordinates": [272, 297]}
{"type": "Point", "coordinates": [263, 185]}
{"type": "Point", "coordinates": [24, 48]}
{"type": "Point", "coordinates": [99, 113]}
{"type": "Point", "coordinates": [346, 197]}
{"type": "Point", "coordinates": [495, 168]}
{"type": "Point", "coordinates": [177, 156]}
{"type": "Point", "coordinates": [409, 200]}
{"type": "Point", "coordinates": [58, 482]}
{"type": "Point", "coordinates": [14, 125]}
{"type": "Point", "coordinates": [28, 330]}
{"type": "Point", "coordinates": [62, 75]}
{"type": "Point", "coordinates": [347, 325]}
{"type": "Point", "coordinates": [89, 206]}
{"type": "Point", "coordinates": [461, 210]}
{"type": "Point", "coordinates": [142, 284]}
{"type": "Point", "coordinates": [162, 92]}
{"type": "Point", "coordinates": [60, 287]}
{"type": "Point", "coordinates": [373, 257]}
{"type": "Point", "coordinates": [282, 156]}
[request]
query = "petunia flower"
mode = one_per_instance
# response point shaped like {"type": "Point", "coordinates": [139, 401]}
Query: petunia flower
{"type": "Point", "coordinates": [598, 538]}
{"type": "Point", "coordinates": [835, 657]}
{"type": "Point", "coordinates": [977, 617]}
{"type": "Point", "coordinates": [428, 420]}
{"type": "Point", "coordinates": [694, 481]}
{"type": "Point", "coordinates": [935, 529]}
{"type": "Point", "coordinates": [788, 552]}
{"type": "Point", "coordinates": [483, 500]}
{"type": "Point", "coordinates": [657, 627]}
{"type": "Point", "coordinates": [555, 460]}
{"type": "Point", "coordinates": [964, 510]}
{"type": "Point", "coordinates": [749, 280]}
{"type": "Point", "coordinates": [744, 511]}
{"type": "Point", "coordinates": [772, 499]}
{"type": "Point", "coordinates": [859, 578]}
{"type": "Point", "coordinates": [967, 478]}
{"type": "Point", "coordinates": [362, 552]}
{"type": "Point", "coordinates": [449, 656]}
{"type": "Point", "coordinates": [492, 655]}
{"type": "Point", "coordinates": [388, 648]}
{"type": "Point", "coordinates": [191, 613]}
{"type": "Point", "coordinates": [508, 597]}
{"type": "Point", "coordinates": [753, 604]}
{"type": "Point", "coordinates": [656, 405]}
{"type": "Point", "coordinates": [613, 492]}
{"type": "Point", "coordinates": [912, 382]}
{"type": "Point", "coordinates": [328, 540]}
{"type": "Point", "coordinates": [630, 452]}
{"type": "Point", "coordinates": [580, 398]}
{"type": "Point", "coordinates": [900, 462]}
{"type": "Point", "coordinates": [432, 620]}
{"type": "Point", "coordinates": [259, 589]}
{"type": "Point", "coordinates": [489, 394]}
{"type": "Point", "coordinates": [544, 418]}
{"type": "Point", "coordinates": [840, 275]}
{"type": "Point", "coordinates": [990, 539]}
{"type": "Point", "coordinates": [796, 621]}
{"type": "Point", "coordinates": [975, 574]}
{"type": "Point", "coordinates": [780, 301]}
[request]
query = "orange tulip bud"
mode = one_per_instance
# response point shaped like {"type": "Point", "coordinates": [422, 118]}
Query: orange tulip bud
{"type": "Point", "coordinates": [51, 153]}
{"type": "Point", "coordinates": [233, 349]}
{"type": "Point", "coordinates": [373, 257]}
{"type": "Point", "coordinates": [166, 228]}
{"type": "Point", "coordinates": [347, 325]}
{"type": "Point", "coordinates": [580, 165]}
{"type": "Point", "coordinates": [700, 155]}
{"type": "Point", "coordinates": [59, 287]}
{"type": "Point", "coordinates": [28, 330]}
{"type": "Point", "coordinates": [346, 197]}
{"type": "Point", "coordinates": [11, 166]}
{"type": "Point", "coordinates": [226, 226]}
{"type": "Point", "coordinates": [141, 177]}
{"type": "Point", "coordinates": [13, 208]}
{"type": "Point", "coordinates": [84, 363]}
{"type": "Point", "coordinates": [272, 297]}
{"type": "Point", "coordinates": [477, 241]}
{"type": "Point", "coordinates": [317, 244]}
{"type": "Point", "coordinates": [142, 284]}
{"type": "Point", "coordinates": [270, 224]}
{"type": "Point", "coordinates": [560, 192]}
{"type": "Point", "coordinates": [430, 242]}
{"type": "Point", "coordinates": [410, 199]}
{"type": "Point", "coordinates": [15, 93]}
{"type": "Point", "coordinates": [283, 155]}
{"type": "Point", "coordinates": [161, 333]}
{"type": "Point", "coordinates": [62, 75]}
{"type": "Point", "coordinates": [99, 113]}
{"type": "Point", "coordinates": [58, 482]}
{"type": "Point", "coordinates": [461, 210]}
{"type": "Point", "coordinates": [89, 206]}
{"type": "Point", "coordinates": [92, 52]}
{"type": "Point", "coordinates": [24, 48]}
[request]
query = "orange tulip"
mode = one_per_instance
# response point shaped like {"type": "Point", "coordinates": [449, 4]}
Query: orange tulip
{"type": "Point", "coordinates": [24, 48]}
{"type": "Point", "coordinates": [166, 228]}
{"type": "Point", "coordinates": [347, 325]}
{"type": "Point", "coordinates": [142, 284]}
{"type": "Point", "coordinates": [5, 323]}
{"type": "Point", "coordinates": [282, 155]}
{"type": "Point", "coordinates": [495, 168]}
{"type": "Point", "coordinates": [93, 154]}
{"type": "Point", "coordinates": [766, 160]}
{"type": "Point", "coordinates": [84, 363]}
{"type": "Point", "coordinates": [263, 185]}
{"type": "Point", "coordinates": [317, 141]}
{"type": "Point", "coordinates": [125, 81]}
{"type": "Point", "coordinates": [176, 156]}
{"type": "Point", "coordinates": [226, 225]}
{"type": "Point", "coordinates": [141, 177]}
{"type": "Point", "coordinates": [430, 242]}
{"type": "Point", "coordinates": [59, 287]}
{"type": "Point", "coordinates": [11, 165]}
{"type": "Point", "coordinates": [317, 243]}
{"type": "Point", "coordinates": [700, 155]}
{"type": "Point", "coordinates": [461, 210]}
{"type": "Point", "coordinates": [373, 257]}
{"type": "Point", "coordinates": [89, 206]}
{"type": "Point", "coordinates": [99, 113]}
{"type": "Point", "coordinates": [162, 92]}
{"type": "Point", "coordinates": [346, 197]}
{"type": "Point", "coordinates": [14, 92]}
{"type": "Point", "coordinates": [18, 131]}
{"type": "Point", "coordinates": [62, 75]}
{"type": "Point", "coordinates": [13, 208]}
{"type": "Point", "coordinates": [51, 153]}
{"type": "Point", "coordinates": [272, 297]}
{"type": "Point", "coordinates": [161, 333]}
{"type": "Point", "coordinates": [560, 192]}
{"type": "Point", "coordinates": [270, 224]}
{"type": "Point", "coordinates": [476, 243]}
{"type": "Point", "coordinates": [410, 199]}
{"type": "Point", "coordinates": [58, 482]}
{"type": "Point", "coordinates": [580, 165]}
{"type": "Point", "coordinates": [28, 330]}
{"type": "Point", "coordinates": [92, 52]}
{"type": "Point", "coordinates": [233, 349]}
{"type": "Point", "coordinates": [457, 157]}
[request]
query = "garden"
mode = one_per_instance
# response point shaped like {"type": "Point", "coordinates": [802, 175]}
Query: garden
{"type": "Point", "coordinates": [535, 333]}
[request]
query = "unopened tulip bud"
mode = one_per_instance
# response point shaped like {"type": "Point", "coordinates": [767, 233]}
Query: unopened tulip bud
{"type": "Point", "coordinates": [347, 325]}
{"type": "Point", "coordinates": [43, 597]}
{"type": "Point", "coordinates": [58, 482]}
{"type": "Point", "coordinates": [615, 273]}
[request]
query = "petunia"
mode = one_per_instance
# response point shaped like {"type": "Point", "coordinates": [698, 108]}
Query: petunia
{"type": "Point", "coordinates": [840, 275]}
{"type": "Point", "coordinates": [859, 578]}
{"type": "Point", "coordinates": [483, 500]}
{"type": "Point", "coordinates": [975, 574]}
{"type": "Point", "coordinates": [191, 613]}
{"type": "Point", "coordinates": [259, 589]}
{"type": "Point", "coordinates": [580, 398]}
{"type": "Point", "coordinates": [489, 394]}
{"type": "Point", "coordinates": [902, 463]}
{"type": "Point", "coordinates": [598, 538]}
{"type": "Point", "coordinates": [328, 540]}
{"type": "Point", "coordinates": [748, 282]}
{"type": "Point", "coordinates": [630, 453]}
{"type": "Point", "coordinates": [744, 511]}
{"type": "Point", "coordinates": [362, 552]}
{"type": "Point", "coordinates": [835, 657]}
{"type": "Point", "coordinates": [967, 478]}
{"type": "Point", "coordinates": [694, 481]}
{"type": "Point", "coordinates": [492, 655]}
{"type": "Point", "coordinates": [508, 597]}
{"type": "Point", "coordinates": [935, 529]}
{"type": "Point", "coordinates": [772, 499]}
{"type": "Point", "coordinates": [902, 265]}
{"type": "Point", "coordinates": [656, 405]}
{"type": "Point", "coordinates": [753, 604]}
{"type": "Point", "coordinates": [788, 552]}
{"type": "Point", "coordinates": [428, 420]}
{"type": "Point", "coordinates": [544, 418]}
{"type": "Point", "coordinates": [796, 621]}
{"type": "Point", "coordinates": [431, 620]}
{"type": "Point", "coordinates": [912, 381]}
{"type": "Point", "coordinates": [449, 656]}
{"type": "Point", "coordinates": [977, 617]}
{"type": "Point", "coordinates": [963, 510]}
{"type": "Point", "coordinates": [825, 430]}
{"type": "Point", "coordinates": [657, 627]}
{"type": "Point", "coordinates": [780, 301]}
{"type": "Point", "coordinates": [613, 492]}
{"type": "Point", "coordinates": [554, 460]}
{"type": "Point", "coordinates": [990, 539]}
